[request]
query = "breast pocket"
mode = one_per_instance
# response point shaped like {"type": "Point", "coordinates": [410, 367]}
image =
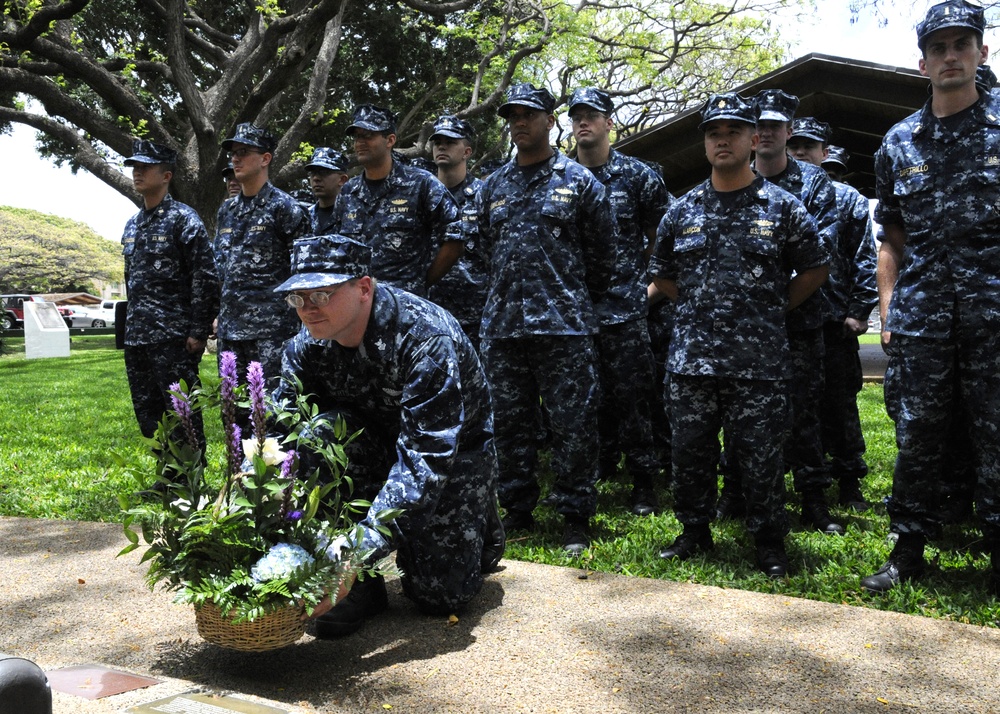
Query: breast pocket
{"type": "Point", "coordinates": [761, 261]}
{"type": "Point", "coordinates": [915, 193]}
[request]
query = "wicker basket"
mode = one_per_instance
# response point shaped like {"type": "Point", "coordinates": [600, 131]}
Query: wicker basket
{"type": "Point", "coordinates": [274, 630]}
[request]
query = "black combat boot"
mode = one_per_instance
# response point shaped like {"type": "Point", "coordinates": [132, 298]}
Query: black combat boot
{"type": "Point", "coordinates": [644, 501]}
{"type": "Point", "coordinates": [694, 539]}
{"type": "Point", "coordinates": [816, 514]}
{"type": "Point", "coordinates": [905, 562]}
{"type": "Point", "coordinates": [366, 598]}
{"type": "Point", "coordinates": [516, 520]}
{"type": "Point", "coordinates": [995, 572]}
{"type": "Point", "coordinates": [576, 535]}
{"type": "Point", "coordinates": [771, 557]}
{"type": "Point", "coordinates": [851, 496]}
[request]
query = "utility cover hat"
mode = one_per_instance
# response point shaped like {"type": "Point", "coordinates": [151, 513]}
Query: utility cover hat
{"type": "Point", "coordinates": [811, 128]}
{"type": "Point", "coordinates": [251, 135]}
{"type": "Point", "coordinates": [837, 155]}
{"type": "Point", "coordinates": [592, 97]}
{"type": "Point", "coordinates": [954, 13]}
{"type": "Point", "coordinates": [775, 105]}
{"type": "Point", "coordinates": [147, 152]}
{"type": "Point", "coordinates": [372, 118]}
{"type": "Point", "coordinates": [727, 106]}
{"type": "Point", "coordinates": [326, 158]}
{"type": "Point", "coordinates": [527, 95]}
{"type": "Point", "coordinates": [453, 128]}
{"type": "Point", "coordinates": [320, 261]}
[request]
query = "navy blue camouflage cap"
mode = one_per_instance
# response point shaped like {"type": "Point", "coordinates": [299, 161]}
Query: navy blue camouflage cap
{"type": "Point", "coordinates": [229, 171]}
{"type": "Point", "coordinates": [954, 13]}
{"type": "Point", "coordinates": [836, 155]}
{"type": "Point", "coordinates": [453, 128]}
{"type": "Point", "coordinates": [372, 118]}
{"type": "Point", "coordinates": [985, 79]}
{"type": "Point", "coordinates": [731, 106]}
{"type": "Point", "coordinates": [775, 105]}
{"type": "Point", "coordinates": [251, 135]}
{"type": "Point", "coordinates": [592, 97]}
{"type": "Point", "coordinates": [527, 95]}
{"type": "Point", "coordinates": [319, 261]}
{"type": "Point", "coordinates": [147, 152]}
{"type": "Point", "coordinates": [326, 158]}
{"type": "Point", "coordinates": [811, 128]}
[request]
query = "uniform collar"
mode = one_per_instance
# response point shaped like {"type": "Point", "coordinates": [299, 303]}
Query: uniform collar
{"type": "Point", "coordinates": [986, 110]}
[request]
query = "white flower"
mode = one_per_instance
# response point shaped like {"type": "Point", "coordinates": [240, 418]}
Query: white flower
{"type": "Point", "coordinates": [271, 452]}
{"type": "Point", "coordinates": [280, 562]}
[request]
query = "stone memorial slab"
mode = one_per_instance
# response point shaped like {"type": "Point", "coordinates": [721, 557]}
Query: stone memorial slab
{"type": "Point", "coordinates": [92, 681]}
{"type": "Point", "coordinates": [45, 333]}
{"type": "Point", "coordinates": [203, 704]}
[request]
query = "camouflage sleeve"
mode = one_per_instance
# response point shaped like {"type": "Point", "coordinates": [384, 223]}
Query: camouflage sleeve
{"type": "Point", "coordinates": [653, 201]}
{"type": "Point", "coordinates": [887, 212]}
{"type": "Point", "coordinates": [661, 262]}
{"type": "Point", "coordinates": [203, 282]}
{"type": "Point", "coordinates": [293, 222]}
{"type": "Point", "coordinates": [864, 292]}
{"type": "Point", "coordinates": [444, 217]}
{"type": "Point", "coordinates": [821, 202]}
{"type": "Point", "coordinates": [430, 427]}
{"type": "Point", "coordinates": [598, 232]}
{"type": "Point", "coordinates": [805, 249]}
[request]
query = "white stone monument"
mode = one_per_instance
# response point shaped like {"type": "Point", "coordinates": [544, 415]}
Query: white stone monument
{"type": "Point", "coordinates": [45, 333]}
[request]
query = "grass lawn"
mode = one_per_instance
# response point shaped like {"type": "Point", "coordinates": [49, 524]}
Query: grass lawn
{"type": "Point", "coordinates": [63, 418]}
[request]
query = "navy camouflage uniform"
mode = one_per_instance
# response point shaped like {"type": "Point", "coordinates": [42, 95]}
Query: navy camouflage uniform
{"type": "Point", "coordinates": [173, 295]}
{"type": "Point", "coordinates": [416, 387]}
{"type": "Point", "coordinates": [462, 290]}
{"type": "Point", "coordinates": [850, 291]}
{"type": "Point", "coordinates": [804, 444]}
{"type": "Point", "coordinates": [405, 218]}
{"type": "Point", "coordinates": [639, 199]}
{"type": "Point", "coordinates": [253, 244]}
{"type": "Point", "coordinates": [941, 184]}
{"type": "Point", "coordinates": [549, 241]}
{"type": "Point", "coordinates": [729, 352]}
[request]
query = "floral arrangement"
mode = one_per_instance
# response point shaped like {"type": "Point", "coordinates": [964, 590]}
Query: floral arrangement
{"type": "Point", "coordinates": [263, 537]}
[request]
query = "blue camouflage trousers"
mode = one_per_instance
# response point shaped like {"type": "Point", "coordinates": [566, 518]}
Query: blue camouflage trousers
{"type": "Point", "coordinates": [928, 384]}
{"type": "Point", "coordinates": [753, 414]}
{"type": "Point", "coordinates": [438, 551]}
{"type": "Point", "coordinates": [561, 370]}
{"type": "Point", "coordinates": [151, 369]}
{"type": "Point", "coordinates": [843, 439]}
{"type": "Point", "coordinates": [627, 387]}
{"type": "Point", "coordinates": [804, 441]}
{"type": "Point", "coordinates": [660, 324]}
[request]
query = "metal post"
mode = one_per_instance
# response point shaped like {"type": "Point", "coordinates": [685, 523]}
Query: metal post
{"type": "Point", "coordinates": [24, 688]}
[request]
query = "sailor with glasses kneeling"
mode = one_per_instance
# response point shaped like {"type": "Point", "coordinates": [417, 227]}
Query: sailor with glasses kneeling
{"type": "Point", "coordinates": [399, 368]}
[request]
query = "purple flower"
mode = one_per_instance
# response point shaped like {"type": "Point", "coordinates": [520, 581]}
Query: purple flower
{"type": "Point", "coordinates": [288, 473]}
{"type": "Point", "coordinates": [182, 408]}
{"type": "Point", "coordinates": [255, 382]}
{"type": "Point", "coordinates": [234, 448]}
{"type": "Point", "coordinates": [227, 394]}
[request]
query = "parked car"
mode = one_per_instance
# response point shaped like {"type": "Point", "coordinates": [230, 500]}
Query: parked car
{"type": "Point", "coordinates": [82, 316]}
{"type": "Point", "coordinates": [13, 310]}
{"type": "Point", "coordinates": [104, 313]}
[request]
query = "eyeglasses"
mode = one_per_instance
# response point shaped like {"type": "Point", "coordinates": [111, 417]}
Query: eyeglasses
{"type": "Point", "coordinates": [243, 153]}
{"type": "Point", "coordinates": [589, 117]}
{"type": "Point", "coordinates": [318, 298]}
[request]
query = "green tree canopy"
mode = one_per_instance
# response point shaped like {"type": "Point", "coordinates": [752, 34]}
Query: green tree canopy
{"type": "Point", "coordinates": [91, 76]}
{"type": "Point", "coordinates": [42, 253]}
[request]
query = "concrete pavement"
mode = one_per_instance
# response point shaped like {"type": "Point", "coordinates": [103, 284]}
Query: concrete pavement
{"type": "Point", "coordinates": [537, 639]}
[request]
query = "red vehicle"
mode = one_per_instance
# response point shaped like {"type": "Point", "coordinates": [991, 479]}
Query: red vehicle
{"type": "Point", "coordinates": [13, 310]}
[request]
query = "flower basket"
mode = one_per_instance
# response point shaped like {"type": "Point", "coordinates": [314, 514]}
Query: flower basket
{"type": "Point", "coordinates": [262, 540]}
{"type": "Point", "coordinates": [272, 631]}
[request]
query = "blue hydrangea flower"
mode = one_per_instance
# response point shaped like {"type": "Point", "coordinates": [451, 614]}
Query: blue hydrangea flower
{"type": "Point", "coordinates": [280, 562]}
